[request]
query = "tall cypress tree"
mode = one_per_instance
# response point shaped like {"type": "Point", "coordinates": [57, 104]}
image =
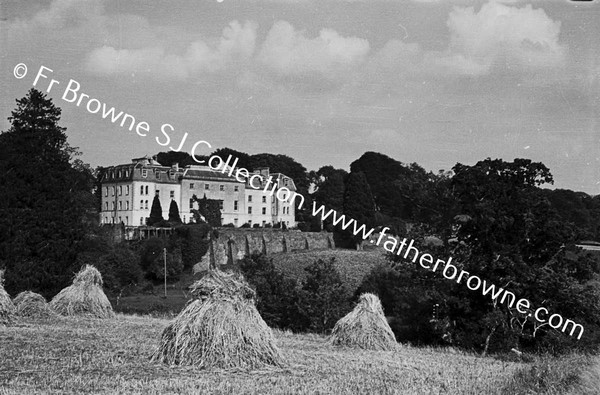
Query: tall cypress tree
{"type": "Point", "coordinates": [155, 212]}
{"type": "Point", "coordinates": [174, 212]}
{"type": "Point", "coordinates": [359, 203]}
{"type": "Point", "coordinates": [47, 203]}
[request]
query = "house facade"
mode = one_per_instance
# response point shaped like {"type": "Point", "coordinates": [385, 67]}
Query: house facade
{"type": "Point", "coordinates": [129, 189]}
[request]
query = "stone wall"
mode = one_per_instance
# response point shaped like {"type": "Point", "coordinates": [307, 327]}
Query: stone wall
{"type": "Point", "coordinates": [234, 244]}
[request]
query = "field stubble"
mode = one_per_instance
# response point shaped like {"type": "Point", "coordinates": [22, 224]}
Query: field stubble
{"type": "Point", "coordinates": [76, 355]}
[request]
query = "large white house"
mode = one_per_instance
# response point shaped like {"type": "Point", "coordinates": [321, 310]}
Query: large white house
{"type": "Point", "coordinates": [128, 191]}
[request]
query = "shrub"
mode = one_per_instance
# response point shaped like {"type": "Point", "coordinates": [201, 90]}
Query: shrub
{"type": "Point", "coordinates": [256, 226]}
{"type": "Point", "coordinates": [192, 240]}
{"type": "Point", "coordinates": [153, 260]}
{"type": "Point", "coordinates": [276, 296]}
{"type": "Point", "coordinates": [229, 225]}
{"type": "Point", "coordinates": [323, 296]}
{"type": "Point", "coordinates": [246, 225]}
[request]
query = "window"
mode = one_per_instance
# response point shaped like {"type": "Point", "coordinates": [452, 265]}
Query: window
{"type": "Point", "coordinates": [113, 191]}
{"type": "Point", "coordinates": [112, 205]}
{"type": "Point", "coordinates": [221, 188]}
{"type": "Point", "coordinates": [250, 222]}
{"type": "Point", "coordinates": [119, 174]}
{"type": "Point", "coordinates": [184, 219]}
{"type": "Point", "coordinates": [206, 186]}
{"type": "Point", "coordinates": [146, 189]}
{"type": "Point", "coordinates": [106, 206]}
{"type": "Point", "coordinates": [126, 173]}
{"type": "Point", "coordinates": [235, 222]}
{"type": "Point", "coordinates": [146, 205]}
{"type": "Point", "coordinates": [192, 185]}
{"type": "Point", "coordinates": [144, 173]}
{"type": "Point", "coordinates": [264, 199]}
{"type": "Point", "coordinates": [126, 220]}
{"type": "Point", "coordinates": [235, 205]}
{"type": "Point", "coordinates": [157, 192]}
{"type": "Point", "coordinates": [236, 188]}
{"type": "Point", "coordinates": [249, 210]}
{"type": "Point", "coordinates": [142, 221]}
{"type": "Point", "coordinates": [106, 191]}
{"type": "Point", "coordinates": [127, 205]}
{"type": "Point", "coordinates": [264, 210]}
{"type": "Point", "coordinates": [158, 175]}
{"type": "Point", "coordinates": [127, 190]}
{"type": "Point", "coordinates": [141, 204]}
{"type": "Point", "coordinates": [120, 205]}
{"type": "Point", "coordinates": [284, 196]}
{"type": "Point", "coordinates": [120, 190]}
{"type": "Point", "coordinates": [264, 223]}
{"type": "Point", "coordinates": [172, 194]}
{"type": "Point", "coordinates": [191, 204]}
{"type": "Point", "coordinates": [249, 198]}
{"type": "Point", "coordinates": [272, 199]}
{"type": "Point", "coordinates": [141, 189]}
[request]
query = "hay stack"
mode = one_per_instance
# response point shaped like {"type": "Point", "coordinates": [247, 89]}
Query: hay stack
{"type": "Point", "coordinates": [85, 297]}
{"type": "Point", "coordinates": [365, 327]}
{"type": "Point", "coordinates": [32, 305]}
{"type": "Point", "coordinates": [219, 328]}
{"type": "Point", "coordinates": [7, 308]}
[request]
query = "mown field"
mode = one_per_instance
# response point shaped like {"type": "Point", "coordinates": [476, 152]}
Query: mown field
{"type": "Point", "coordinates": [75, 355]}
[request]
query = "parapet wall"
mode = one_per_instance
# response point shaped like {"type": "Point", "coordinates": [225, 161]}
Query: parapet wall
{"type": "Point", "coordinates": [234, 244]}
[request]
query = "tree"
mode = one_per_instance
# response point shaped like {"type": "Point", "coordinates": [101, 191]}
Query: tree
{"type": "Point", "coordinates": [359, 204]}
{"type": "Point", "coordinates": [209, 209]}
{"type": "Point", "coordinates": [323, 299]}
{"type": "Point", "coordinates": [155, 212]}
{"type": "Point", "coordinates": [169, 158]}
{"type": "Point", "coordinates": [47, 202]}
{"type": "Point", "coordinates": [276, 295]}
{"type": "Point", "coordinates": [174, 213]}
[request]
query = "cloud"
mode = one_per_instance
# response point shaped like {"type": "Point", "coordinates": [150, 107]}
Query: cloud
{"type": "Point", "coordinates": [500, 36]}
{"type": "Point", "coordinates": [289, 52]}
{"type": "Point", "coordinates": [236, 45]}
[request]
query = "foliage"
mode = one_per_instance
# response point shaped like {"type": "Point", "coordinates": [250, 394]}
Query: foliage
{"type": "Point", "coordinates": [323, 296]}
{"type": "Point", "coordinates": [152, 260]}
{"type": "Point", "coordinates": [277, 297]}
{"type": "Point", "coordinates": [174, 213]}
{"type": "Point", "coordinates": [209, 209]}
{"type": "Point", "coordinates": [47, 204]}
{"type": "Point", "coordinates": [359, 204]}
{"type": "Point", "coordinates": [156, 215]}
{"type": "Point", "coordinates": [193, 241]}
{"type": "Point", "coordinates": [169, 158]}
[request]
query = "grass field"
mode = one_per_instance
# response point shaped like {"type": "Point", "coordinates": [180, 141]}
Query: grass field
{"type": "Point", "coordinates": [74, 355]}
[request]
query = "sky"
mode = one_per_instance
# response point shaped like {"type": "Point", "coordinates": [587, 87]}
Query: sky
{"type": "Point", "coordinates": [323, 81]}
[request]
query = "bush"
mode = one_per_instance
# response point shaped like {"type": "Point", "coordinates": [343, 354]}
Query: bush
{"type": "Point", "coordinates": [276, 296]}
{"type": "Point", "coordinates": [410, 307]}
{"type": "Point", "coordinates": [268, 225]}
{"type": "Point", "coordinates": [246, 225]}
{"type": "Point", "coordinates": [256, 226]}
{"type": "Point", "coordinates": [229, 225]}
{"type": "Point", "coordinates": [153, 260]}
{"type": "Point", "coordinates": [120, 267]}
{"type": "Point", "coordinates": [192, 240]}
{"type": "Point", "coordinates": [323, 297]}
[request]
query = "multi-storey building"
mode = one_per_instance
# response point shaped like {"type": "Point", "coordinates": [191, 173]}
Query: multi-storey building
{"type": "Point", "coordinates": [128, 191]}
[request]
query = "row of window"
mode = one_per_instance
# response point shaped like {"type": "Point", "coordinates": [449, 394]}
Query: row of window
{"type": "Point", "coordinates": [236, 188]}
{"type": "Point", "coordinates": [120, 190]}
{"type": "Point", "coordinates": [118, 173]}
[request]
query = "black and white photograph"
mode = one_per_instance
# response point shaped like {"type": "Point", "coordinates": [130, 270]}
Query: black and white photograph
{"type": "Point", "coordinates": [300, 197]}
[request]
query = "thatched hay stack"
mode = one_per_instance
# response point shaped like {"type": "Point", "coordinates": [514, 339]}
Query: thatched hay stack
{"type": "Point", "coordinates": [219, 328]}
{"type": "Point", "coordinates": [365, 327]}
{"type": "Point", "coordinates": [32, 305]}
{"type": "Point", "coordinates": [85, 297]}
{"type": "Point", "coordinates": [7, 308]}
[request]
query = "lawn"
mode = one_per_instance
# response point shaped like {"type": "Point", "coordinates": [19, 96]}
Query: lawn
{"type": "Point", "coordinates": [76, 355]}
